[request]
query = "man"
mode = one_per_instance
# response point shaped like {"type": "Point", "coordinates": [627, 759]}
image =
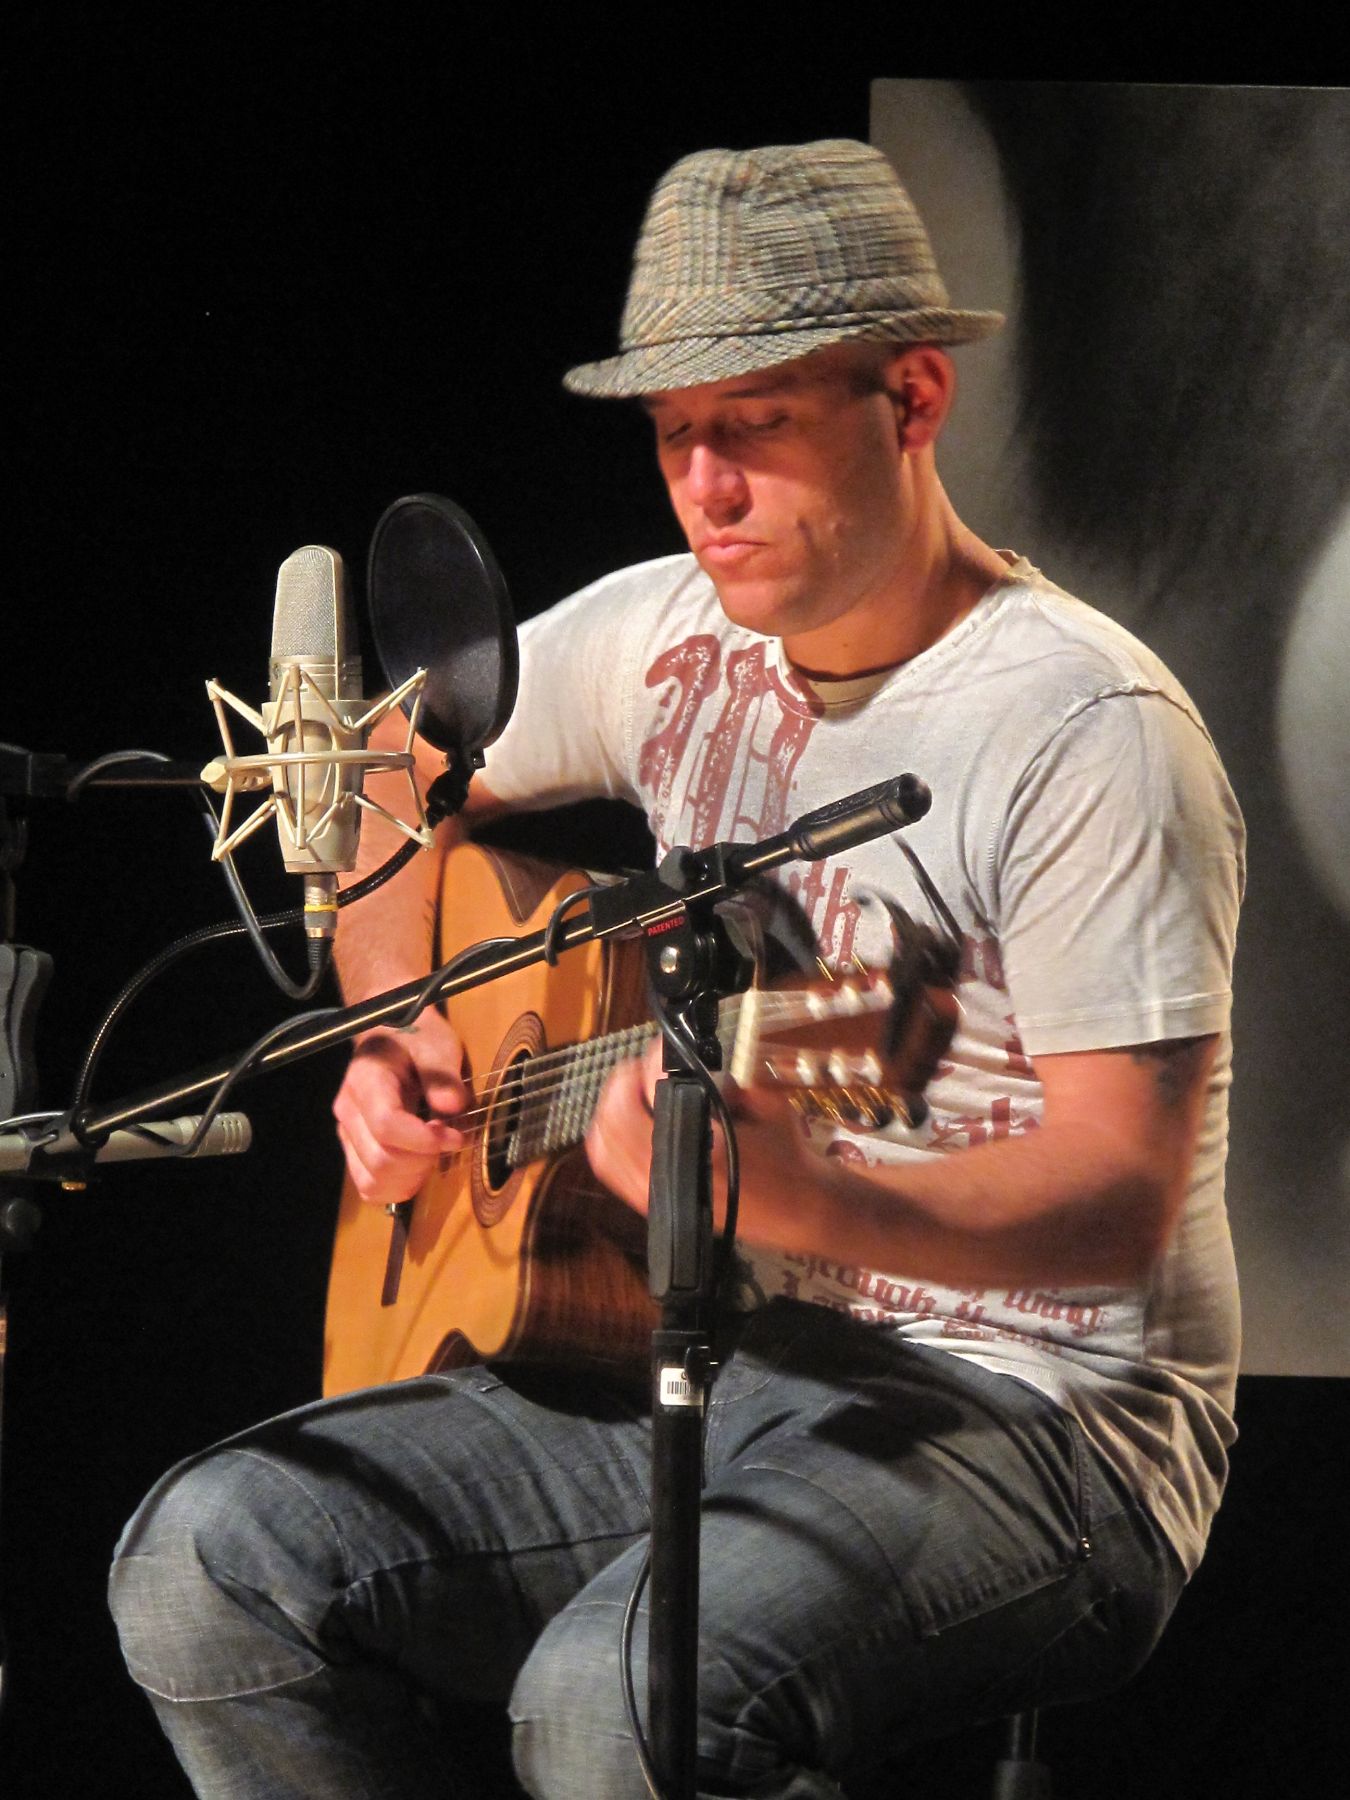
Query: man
{"type": "Point", "coordinates": [965, 1445]}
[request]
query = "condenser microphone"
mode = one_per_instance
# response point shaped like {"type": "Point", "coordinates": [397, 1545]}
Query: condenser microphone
{"type": "Point", "coordinates": [446, 637]}
{"type": "Point", "coordinates": [316, 724]}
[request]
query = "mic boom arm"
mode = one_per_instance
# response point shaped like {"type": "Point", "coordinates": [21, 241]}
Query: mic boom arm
{"type": "Point", "coordinates": [641, 904]}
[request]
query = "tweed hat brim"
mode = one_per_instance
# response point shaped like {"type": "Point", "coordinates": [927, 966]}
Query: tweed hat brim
{"type": "Point", "coordinates": [747, 259]}
{"type": "Point", "coordinates": [692, 361]}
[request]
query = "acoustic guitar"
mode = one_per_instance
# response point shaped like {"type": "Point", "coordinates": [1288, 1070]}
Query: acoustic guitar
{"type": "Point", "coordinates": [513, 1250]}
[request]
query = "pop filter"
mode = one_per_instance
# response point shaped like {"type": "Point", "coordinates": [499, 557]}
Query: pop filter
{"type": "Point", "coordinates": [438, 602]}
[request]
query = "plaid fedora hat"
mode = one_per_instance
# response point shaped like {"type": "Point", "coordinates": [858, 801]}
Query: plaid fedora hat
{"type": "Point", "coordinates": [755, 257]}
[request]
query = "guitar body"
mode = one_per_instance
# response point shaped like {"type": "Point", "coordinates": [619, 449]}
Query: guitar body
{"type": "Point", "coordinates": [537, 1262]}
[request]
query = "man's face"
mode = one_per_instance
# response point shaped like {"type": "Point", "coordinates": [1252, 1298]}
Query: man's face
{"type": "Point", "coordinates": [790, 488]}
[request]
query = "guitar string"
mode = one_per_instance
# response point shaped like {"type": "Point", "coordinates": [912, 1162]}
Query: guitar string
{"type": "Point", "coordinates": [534, 1102]}
{"type": "Point", "coordinates": [568, 1063]}
{"type": "Point", "coordinates": [603, 1053]}
{"type": "Point", "coordinates": [537, 1096]}
{"type": "Point", "coordinates": [534, 1107]}
{"type": "Point", "coordinates": [774, 1010]}
{"type": "Point", "coordinates": [573, 1055]}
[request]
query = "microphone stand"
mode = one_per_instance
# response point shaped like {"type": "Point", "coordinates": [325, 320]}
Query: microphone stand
{"type": "Point", "coordinates": [25, 974]}
{"type": "Point", "coordinates": [693, 961]}
{"type": "Point", "coordinates": [691, 969]}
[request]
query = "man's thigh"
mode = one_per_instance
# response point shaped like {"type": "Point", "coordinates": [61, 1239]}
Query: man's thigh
{"type": "Point", "coordinates": [910, 1543]}
{"type": "Point", "coordinates": [435, 1525]}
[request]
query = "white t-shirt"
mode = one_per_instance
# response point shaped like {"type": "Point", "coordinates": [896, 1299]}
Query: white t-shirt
{"type": "Point", "coordinates": [1083, 833]}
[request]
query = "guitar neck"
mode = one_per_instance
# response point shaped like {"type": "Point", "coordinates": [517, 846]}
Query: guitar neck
{"type": "Point", "coordinates": [546, 1102]}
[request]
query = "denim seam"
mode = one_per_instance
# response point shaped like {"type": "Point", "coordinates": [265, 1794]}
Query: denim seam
{"type": "Point", "coordinates": [548, 1458]}
{"type": "Point", "coordinates": [460, 1554]}
{"type": "Point", "coordinates": [815, 1486]}
{"type": "Point", "coordinates": [280, 1468]}
{"type": "Point", "coordinates": [267, 1687]}
{"type": "Point", "coordinates": [742, 1734]}
{"type": "Point", "coordinates": [1082, 1508]}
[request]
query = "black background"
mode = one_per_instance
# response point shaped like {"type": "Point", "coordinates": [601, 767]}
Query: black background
{"type": "Point", "coordinates": [269, 276]}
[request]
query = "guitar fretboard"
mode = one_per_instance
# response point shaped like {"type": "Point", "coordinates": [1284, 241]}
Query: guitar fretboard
{"type": "Point", "coordinates": [560, 1091]}
{"type": "Point", "coordinates": [545, 1102]}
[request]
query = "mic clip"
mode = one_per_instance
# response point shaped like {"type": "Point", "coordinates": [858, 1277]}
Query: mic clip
{"type": "Point", "coordinates": [329, 773]}
{"type": "Point", "coordinates": [449, 792]}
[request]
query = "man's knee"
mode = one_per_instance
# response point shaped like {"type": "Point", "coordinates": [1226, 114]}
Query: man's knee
{"type": "Point", "coordinates": [222, 1578]}
{"type": "Point", "coordinates": [570, 1726]}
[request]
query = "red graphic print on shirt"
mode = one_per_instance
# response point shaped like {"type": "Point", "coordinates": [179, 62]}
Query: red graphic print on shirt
{"type": "Point", "coordinates": [694, 667]}
{"type": "Point", "coordinates": [740, 771]}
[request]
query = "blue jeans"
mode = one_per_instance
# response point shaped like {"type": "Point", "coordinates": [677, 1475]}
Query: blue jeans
{"type": "Point", "coordinates": [894, 1544]}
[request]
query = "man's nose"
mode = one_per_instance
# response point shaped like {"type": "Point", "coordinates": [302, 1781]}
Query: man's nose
{"type": "Point", "coordinates": [716, 482]}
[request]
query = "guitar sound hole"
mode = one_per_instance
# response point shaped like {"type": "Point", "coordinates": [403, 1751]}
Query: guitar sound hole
{"type": "Point", "coordinates": [504, 1122]}
{"type": "Point", "coordinates": [504, 1147]}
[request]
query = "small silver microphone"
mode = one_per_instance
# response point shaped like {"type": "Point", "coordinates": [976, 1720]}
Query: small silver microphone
{"type": "Point", "coordinates": [229, 1134]}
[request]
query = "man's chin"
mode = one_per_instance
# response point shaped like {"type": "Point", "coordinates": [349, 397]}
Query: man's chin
{"type": "Point", "coordinates": [758, 606]}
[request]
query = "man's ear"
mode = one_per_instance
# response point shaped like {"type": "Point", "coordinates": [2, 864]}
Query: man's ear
{"type": "Point", "coordinates": [920, 382]}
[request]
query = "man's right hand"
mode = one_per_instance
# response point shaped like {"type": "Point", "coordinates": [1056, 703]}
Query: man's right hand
{"type": "Point", "coordinates": [392, 1107]}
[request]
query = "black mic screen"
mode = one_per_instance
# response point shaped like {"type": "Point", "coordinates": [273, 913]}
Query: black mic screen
{"type": "Point", "coordinates": [438, 601]}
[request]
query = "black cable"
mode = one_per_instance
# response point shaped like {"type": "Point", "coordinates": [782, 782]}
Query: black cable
{"type": "Point", "coordinates": [318, 951]}
{"type": "Point", "coordinates": [82, 777]}
{"type": "Point", "coordinates": [928, 887]}
{"type": "Point", "coordinates": [207, 934]}
{"type": "Point", "coordinates": [682, 1041]}
{"type": "Point", "coordinates": [626, 1672]}
{"type": "Point", "coordinates": [29, 1118]}
{"type": "Point", "coordinates": [250, 922]}
{"type": "Point", "coordinates": [427, 992]}
{"type": "Point", "coordinates": [239, 1069]}
{"type": "Point", "coordinates": [553, 929]}
{"type": "Point", "coordinates": [243, 906]}
{"type": "Point", "coordinates": [243, 1064]}
{"type": "Point", "coordinates": [248, 918]}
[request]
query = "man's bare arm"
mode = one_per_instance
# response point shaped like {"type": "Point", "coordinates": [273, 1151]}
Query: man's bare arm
{"type": "Point", "coordinates": [386, 940]}
{"type": "Point", "coordinates": [1090, 1197]}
